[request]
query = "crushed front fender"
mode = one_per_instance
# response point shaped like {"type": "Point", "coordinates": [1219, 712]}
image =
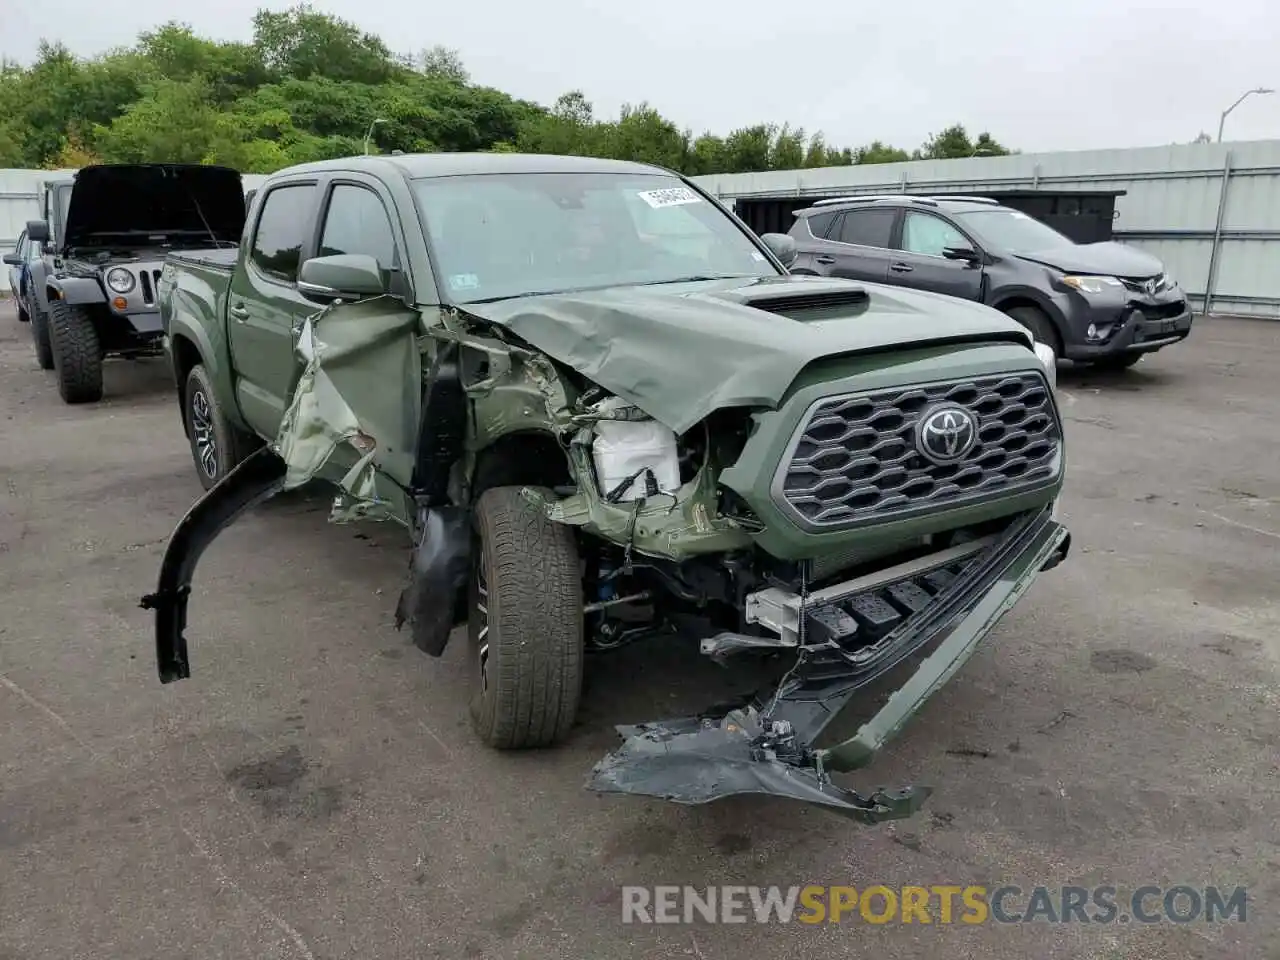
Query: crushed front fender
{"type": "Point", "coordinates": [768, 746]}
{"type": "Point", "coordinates": [259, 477]}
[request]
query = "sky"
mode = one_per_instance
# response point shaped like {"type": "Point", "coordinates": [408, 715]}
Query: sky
{"type": "Point", "coordinates": [1039, 76]}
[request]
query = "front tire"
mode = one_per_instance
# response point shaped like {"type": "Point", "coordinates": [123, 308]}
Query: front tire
{"type": "Point", "coordinates": [76, 353]}
{"type": "Point", "coordinates": [525, 640]}
{"type": "Point", "coordinates": [217, 445]}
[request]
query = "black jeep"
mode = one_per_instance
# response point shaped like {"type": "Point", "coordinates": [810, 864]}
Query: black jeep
{"type": "Point", "coordinates": [101, 273]}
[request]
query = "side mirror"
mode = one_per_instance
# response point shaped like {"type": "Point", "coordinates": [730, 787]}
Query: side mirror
{"type": "Point", "coordinates": [38, 231]}
{"type": "Point", "coordinates": [13, 259]}
{"type": "Point", "coordinates": [346, 275]}
{"type": "Point", "coordinates": [782, 246]}
{"type": "Point", "coordinates": [968, 254]}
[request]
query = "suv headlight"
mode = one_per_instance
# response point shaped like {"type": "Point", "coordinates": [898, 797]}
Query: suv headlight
{"type": "Point", "coordinates": [1091, 284]}
{"type": "Point", "coordinates": [120, 280]}
{"type": "Point", "coordinates": [1045, 354]}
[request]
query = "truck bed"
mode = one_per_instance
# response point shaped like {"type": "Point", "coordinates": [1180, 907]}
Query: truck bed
{"type": "Point", "coordinates": [214, 258]}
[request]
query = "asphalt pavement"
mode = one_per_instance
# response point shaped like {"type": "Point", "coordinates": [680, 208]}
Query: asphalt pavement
{"type": "Point", "coordinates": [315, 791]}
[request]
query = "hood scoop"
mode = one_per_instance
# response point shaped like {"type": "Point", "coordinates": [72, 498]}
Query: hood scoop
{"type": "Point", "coordinates": [811, 305]}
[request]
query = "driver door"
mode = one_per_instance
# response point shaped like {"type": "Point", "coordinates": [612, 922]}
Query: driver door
{"type": "Point", "coordinates": [265, 310]}
{"type": "Point", "coordinates": [918, 261]}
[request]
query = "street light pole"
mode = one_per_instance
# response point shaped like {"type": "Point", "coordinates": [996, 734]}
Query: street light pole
{"type": "Point", "coordinates": [372, 123]}
{"type": "Point", "coordinates": [1241, 100]}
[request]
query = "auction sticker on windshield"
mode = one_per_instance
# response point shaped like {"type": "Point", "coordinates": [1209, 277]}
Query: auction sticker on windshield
{"type": "Point", "coordinates": [669, 197]}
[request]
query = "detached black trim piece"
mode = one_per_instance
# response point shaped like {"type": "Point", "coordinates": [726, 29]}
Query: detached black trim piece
{"type": "Point", "coordinates": [259, 477]}
{"type": "Point", "coordinates": [693, 761]}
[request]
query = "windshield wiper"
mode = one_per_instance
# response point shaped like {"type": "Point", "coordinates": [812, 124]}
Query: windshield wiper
{"type": "Point", "coordinates": [567, 291]}
{"type": "Point", "coordinates": [697, 279]}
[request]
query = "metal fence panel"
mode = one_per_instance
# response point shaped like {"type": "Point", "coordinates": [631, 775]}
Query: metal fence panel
{"type": "Point", "coordinates": [1171, 204]}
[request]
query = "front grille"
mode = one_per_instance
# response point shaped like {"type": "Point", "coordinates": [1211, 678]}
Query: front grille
{"type": "Point", "coordinates": [150, 284]}
{"type": "Point", "coordinates": [1163, 311]}
{"type": "Point", "coordinates": [1140, 284]}
{"type": "Point", "coordinates": [855, 458]}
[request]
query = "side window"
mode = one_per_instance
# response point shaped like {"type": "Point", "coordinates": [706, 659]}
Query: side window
{"type": "Point", "coordinates": [357, 222]}
{"type": "Point", "coordinates": [929, 235]}
{"type": "Point", "coordinates": [820, 223]}
{"type": "Point", "coordinates": [867, 228]}
{"type": "Point", "coordinates": [282, 227]}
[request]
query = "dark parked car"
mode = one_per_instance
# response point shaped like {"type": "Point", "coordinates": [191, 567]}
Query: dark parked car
{"type": "Point", "coordinates": [1104, 303]}
{"type": "Point", "coordinates": [16, 261]}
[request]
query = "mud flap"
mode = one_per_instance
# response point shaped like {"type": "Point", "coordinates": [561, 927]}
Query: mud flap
{"type": "Point", "coordinates": [438, 572]}
{"type": "Point", "coordinates": [259, 477]}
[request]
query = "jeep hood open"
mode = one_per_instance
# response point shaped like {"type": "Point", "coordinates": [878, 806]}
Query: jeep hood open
{"type": "Point", "coordinates": [740, 342]}
{"type": "Point", "coordinates": [127, 204]}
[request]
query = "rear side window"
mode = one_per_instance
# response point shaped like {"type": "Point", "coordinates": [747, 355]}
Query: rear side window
{"type": "Point", "coordinates": [357, 222]}
{"type": "Point", "coordinates": [867, 228]}
{"type": "Point", "coordinates": [282, 227]}
{"type": "Point", "coordinates": [820, 223]}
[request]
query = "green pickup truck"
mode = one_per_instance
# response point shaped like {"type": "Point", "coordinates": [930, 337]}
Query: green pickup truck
{"type": "Point", "coordinates": [605, 413]}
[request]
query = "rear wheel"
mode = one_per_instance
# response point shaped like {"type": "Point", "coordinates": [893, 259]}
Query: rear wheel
{"type": "Point", "coordinates": [39, 331]}
{"type": "Point", "coordinates": [1119, 361]}
{"type": "Point", "coordinates": [76, 353]}
{"type": "Point", "coordinates": [1041, 327]}
{"type": "Point", "coordinates": [217, 445]}
{"type": "Point", "coordinates": [524, 626]}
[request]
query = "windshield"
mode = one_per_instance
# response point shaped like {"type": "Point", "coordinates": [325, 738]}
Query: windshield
{"type": "Point", "coordinates": [1012, 230]}
{"type": "Point", "coordinates": [497, 236]}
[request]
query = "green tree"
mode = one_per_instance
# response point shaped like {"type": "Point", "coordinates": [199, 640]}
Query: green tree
{"type": "Point", "coordinates": [309, 86]}
{"type": "Point", "coordinates": [788, 150]}
{"type": "Point", "coordinates": [877, 152]}
{"type": "Point", "coordinates": [301, 42]}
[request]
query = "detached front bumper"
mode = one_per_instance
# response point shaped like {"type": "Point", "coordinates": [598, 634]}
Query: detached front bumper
{"type": "Point", "coordinates": [767, 746]}
{"type": "Point", "coordinates": [1098, 329]}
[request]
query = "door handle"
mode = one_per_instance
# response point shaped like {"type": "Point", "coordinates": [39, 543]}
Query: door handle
{"type": "Point", "coordinates": [239, 312]}
{"type": "Point", "coordinates": [824, 259]}
{"type": "Point", "coordinates": [901, 267]}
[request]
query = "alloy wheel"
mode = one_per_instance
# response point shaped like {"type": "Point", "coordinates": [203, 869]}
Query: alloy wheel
{"type": "Point", "coordinates": [202, 434]}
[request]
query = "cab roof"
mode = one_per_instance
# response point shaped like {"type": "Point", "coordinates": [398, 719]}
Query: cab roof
{"type": "Point", "coordinates": [418, 166]}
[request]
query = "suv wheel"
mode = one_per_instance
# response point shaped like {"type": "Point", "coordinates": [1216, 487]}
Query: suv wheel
{"type": "Point", "coordinates": [1041, 327]}
{"type": "Point", "coordinates": [524, 625]}
{"type": "Point", "coordinates": [76, 352]}
{"type": "Point", "coordinates": [39, 331]}
{"type": "Point", "coordinates": [217, 445]}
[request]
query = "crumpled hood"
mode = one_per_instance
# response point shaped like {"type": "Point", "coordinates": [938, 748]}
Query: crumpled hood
{"type": "Point", "coordinates": [682, 351]}
{"type": "Point", "coordinates": [109, 200]}
{"type": "Point", "coordinates": [1109, 259]}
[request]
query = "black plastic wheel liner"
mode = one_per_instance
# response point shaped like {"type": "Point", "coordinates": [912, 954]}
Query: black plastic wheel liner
{"type": "Point", "coordinates": [259, 477]}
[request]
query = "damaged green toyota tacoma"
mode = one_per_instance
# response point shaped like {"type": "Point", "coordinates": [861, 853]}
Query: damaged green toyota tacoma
{"type": "Point", "coordinates": [605, 414]}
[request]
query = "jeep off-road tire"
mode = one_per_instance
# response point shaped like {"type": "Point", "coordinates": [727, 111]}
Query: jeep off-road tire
{"type": "Point", "coordinates": [1041, 327]}
{"type": "Point", "coordinates": [77, 353]}
{"type": "Point", "coordinates": [524, 626]}
{"type": "Point", "coordinates": [217, 445]}
{"type": "Point", "coordinates": [39, 321]}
